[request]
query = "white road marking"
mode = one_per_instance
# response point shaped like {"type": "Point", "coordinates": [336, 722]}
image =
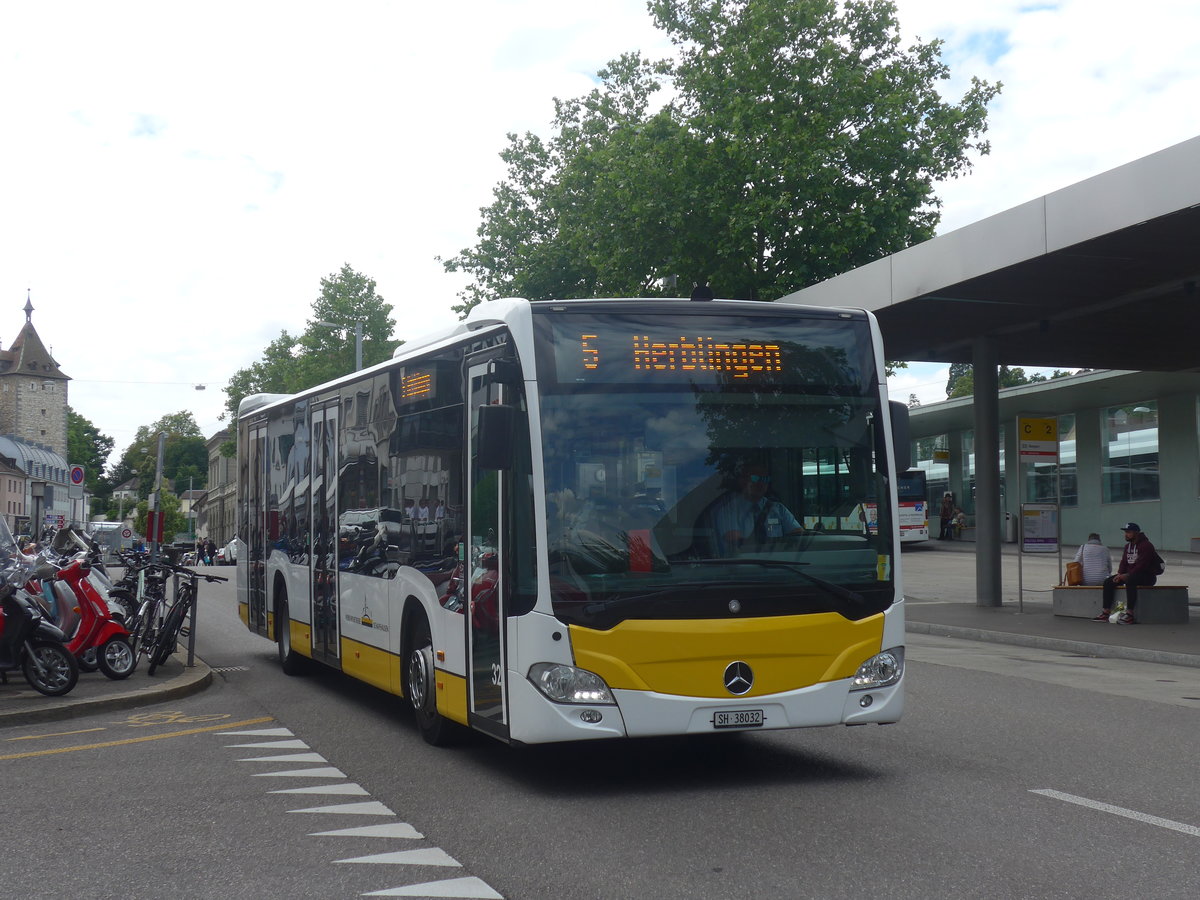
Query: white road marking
{"type": "Point", "coordinates": [1119, 811]}
{"type": "Point", "coordinates": [287, 757]}
{"type": "Point", "coordinates": [327, 772]}
{"type": "Point", "coordinates": [471, 887]}
{"type": "Point", "coordinates": [366, 808]}
{"type": "Point", "coordinates": [430, 856]}
{"type": "Point", "coordinates": [467, 888]}
{"type": "Point", "coordinates": [393, 830]}
{"type": "Point", "coordinates": [350, 789]}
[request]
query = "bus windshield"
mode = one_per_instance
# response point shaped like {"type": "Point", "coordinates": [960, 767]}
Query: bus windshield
{"type": "Point", "coordinates": [724, 471]}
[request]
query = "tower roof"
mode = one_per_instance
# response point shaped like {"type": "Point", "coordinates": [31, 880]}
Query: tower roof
{"type": "Point", "coordinates": [27, 355]}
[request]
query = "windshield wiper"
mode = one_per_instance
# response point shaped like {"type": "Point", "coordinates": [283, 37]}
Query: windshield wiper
{"type": "Point", "coordinates": [601, 606]}
{"type": "Point", "coordinates": [842, 593]}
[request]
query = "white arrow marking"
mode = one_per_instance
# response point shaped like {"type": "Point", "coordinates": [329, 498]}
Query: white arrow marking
{"type": "Point", "coordinates": [349, 789]}
{"type": "Point", "coordinates": [328, 772]}
{"type": "Point", "coordinates": [470, 887]}
{"type": "Point", "coordinates": [431, 856]}
{"type": "Point", "coordinates": [287, 757]}
{"type": "Point", "coordinates": [366, 808]}
{"type": "Point", "coordinates": [395, 830]}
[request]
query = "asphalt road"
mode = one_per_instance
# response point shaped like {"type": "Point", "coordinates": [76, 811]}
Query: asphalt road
{"type": "Point", "coordinates": [1015, 773]}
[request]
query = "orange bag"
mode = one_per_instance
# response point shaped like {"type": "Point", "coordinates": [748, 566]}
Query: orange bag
{"type": "Point", "coordinates": [1074, 574]}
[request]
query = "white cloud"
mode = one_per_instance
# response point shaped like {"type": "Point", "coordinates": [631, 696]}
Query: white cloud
{"type": "Point", "coordinates": [176, 180]}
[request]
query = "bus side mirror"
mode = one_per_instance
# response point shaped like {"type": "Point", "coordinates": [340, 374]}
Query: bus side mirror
{"type": "Point", "coordinates": [901, 440]}
{"type": "Point", "coordinates": [496, 427]}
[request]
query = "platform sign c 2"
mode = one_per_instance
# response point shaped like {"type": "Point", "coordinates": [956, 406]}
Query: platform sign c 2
{"type": "Point", "coordinates": [1039, 527]}
{"type": "Point", "coordinates": [1038, 439]}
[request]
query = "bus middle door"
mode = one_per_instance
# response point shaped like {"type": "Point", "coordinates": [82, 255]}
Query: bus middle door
{"type": "Point", "coordinates": [323, 566]}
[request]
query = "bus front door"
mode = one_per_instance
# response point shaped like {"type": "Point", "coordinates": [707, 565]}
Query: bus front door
{"type": "Point", "coordinates": [253, 532]}
{"type": "Point", "coordinates": [326, 616]}
{"type": "Point", "coordinates": [486, 639]}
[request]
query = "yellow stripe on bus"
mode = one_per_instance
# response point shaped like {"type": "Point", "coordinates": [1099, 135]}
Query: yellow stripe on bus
{"type": "Point", "coordinates": [688, 658]}
{"type": "Point", "coordinates": [371, 664]}
{"type": "Point", "coordinates": [451, 695]}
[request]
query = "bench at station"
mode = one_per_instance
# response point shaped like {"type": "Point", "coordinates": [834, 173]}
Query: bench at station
{"type": "Point", "coordinates": [1162, 604]}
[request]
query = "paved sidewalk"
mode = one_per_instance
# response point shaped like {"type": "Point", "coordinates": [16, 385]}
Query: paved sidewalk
{"type": "Point", "coordinates": [939, 581]}
{"type": "Point", "coordinates": [20, 704]}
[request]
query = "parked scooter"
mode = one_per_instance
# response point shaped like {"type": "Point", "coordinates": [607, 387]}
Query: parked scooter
{"type": "Point", "coordinates": [98, 630]}
{"type": "Point", "coordinates": [28, 640]}
{"type": "Point", "coordinates": [95, 634]}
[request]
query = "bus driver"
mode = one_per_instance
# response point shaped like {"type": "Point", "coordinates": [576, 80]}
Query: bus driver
{"type": "Point", "coordinates": [749, 514]}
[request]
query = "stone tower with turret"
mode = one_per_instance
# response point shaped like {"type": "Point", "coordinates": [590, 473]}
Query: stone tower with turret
{"type": "Point", "coordinates": [33, 391]}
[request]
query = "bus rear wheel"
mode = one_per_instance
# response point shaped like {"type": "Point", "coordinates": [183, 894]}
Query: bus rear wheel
{"type": "Point", "coordinates": [421, 689]}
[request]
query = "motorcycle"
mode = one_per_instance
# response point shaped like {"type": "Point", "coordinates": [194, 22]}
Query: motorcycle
{"type": "Point", "coordinates": [28, 640]}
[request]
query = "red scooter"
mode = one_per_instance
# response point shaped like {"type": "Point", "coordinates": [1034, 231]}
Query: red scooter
{"type": "Point", "coordinates": [96, 632]}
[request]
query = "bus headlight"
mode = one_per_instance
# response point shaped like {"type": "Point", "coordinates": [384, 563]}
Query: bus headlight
{"type": "Point", "coordinates": [881, 670]}
{"type": "Point", "coordinates": [567, 684]}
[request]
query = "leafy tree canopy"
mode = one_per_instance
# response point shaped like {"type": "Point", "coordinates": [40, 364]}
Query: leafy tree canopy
{"type": "Point", "coordinates": [963, 384]}
{"type": "Point", "coordinates": [174, 521]}
{"type": "Point", "coordinates": [87, 447]}
{"type": "Point", "coordinates": [184, 452]}
{"type": "Point", "coordinates": [790, 142]}
{"type": "Point", "coordinates": [292, 363]}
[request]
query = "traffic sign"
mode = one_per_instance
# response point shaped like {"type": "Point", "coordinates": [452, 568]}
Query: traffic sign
{"type": "Point", "coordinates": [76, 475]}
{"type": "Point", "coordinates": [126, 533]}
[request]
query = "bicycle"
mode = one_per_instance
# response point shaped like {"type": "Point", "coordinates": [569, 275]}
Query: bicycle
{"type": "Point", "coordinates": [167, 637]}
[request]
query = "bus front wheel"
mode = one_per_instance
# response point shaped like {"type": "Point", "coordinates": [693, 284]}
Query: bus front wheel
{"type": "Point", "coordinates": [420, 686]}
{"type": "Point", "coordinates": [290, 661]}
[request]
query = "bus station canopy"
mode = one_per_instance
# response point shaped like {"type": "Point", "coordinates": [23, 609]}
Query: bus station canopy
{"type": "Point", "coordinates": [1101, 275]}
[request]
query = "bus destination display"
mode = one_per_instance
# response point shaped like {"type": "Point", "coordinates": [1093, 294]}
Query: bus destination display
{"type": "Point", "coordinates": [416, 384]}
{"type": "Point", "coordinates": [634, 357]}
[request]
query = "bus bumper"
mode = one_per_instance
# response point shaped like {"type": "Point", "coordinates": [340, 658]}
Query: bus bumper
{"type": "Point", "coordinates": [649, 714]}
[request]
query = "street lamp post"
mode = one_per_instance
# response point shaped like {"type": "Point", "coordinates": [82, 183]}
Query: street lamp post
{"type": "Point", "coordinates": [358, 339]}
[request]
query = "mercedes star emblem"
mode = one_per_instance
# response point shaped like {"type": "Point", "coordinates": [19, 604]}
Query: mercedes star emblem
{"type": "Point", "coordinates": [739, 678]}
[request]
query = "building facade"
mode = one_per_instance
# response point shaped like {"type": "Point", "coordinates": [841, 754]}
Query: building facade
{"type": "Point", "coordinates": [1128, 451]}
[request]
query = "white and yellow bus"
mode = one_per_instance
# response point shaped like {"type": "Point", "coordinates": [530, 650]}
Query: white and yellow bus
{"type": "Point", "coordinates": [523, 525]}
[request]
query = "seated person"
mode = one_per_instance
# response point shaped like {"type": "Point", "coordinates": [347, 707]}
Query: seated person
{"type": "Point", "coordinates": [748, 514]}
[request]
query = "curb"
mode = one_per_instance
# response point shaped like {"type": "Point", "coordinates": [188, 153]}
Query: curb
{"type": "Point", "coordinates": [192, 681]}
{"type": "Point", "coordinates": [1108, 651]}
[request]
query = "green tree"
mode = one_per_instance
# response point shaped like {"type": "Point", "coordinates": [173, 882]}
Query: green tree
{"type": "Point", "coordinates": [292, 363]}
{"type": "Point", "coordinates": [184, 451]}
{"type": "Point", "coordinates": [798, 140]}
{"type": "Point", "coordinates": [964, 383]}
{"type": "Point", "coordinates": [174, 522]}
{"type": "Point", "coordinates": [87, 447]}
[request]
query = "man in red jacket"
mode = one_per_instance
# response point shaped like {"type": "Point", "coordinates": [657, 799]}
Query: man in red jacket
{"type": "Point", "coordinates": [1139, 566]}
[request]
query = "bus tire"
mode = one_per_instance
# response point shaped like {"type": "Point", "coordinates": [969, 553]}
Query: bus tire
{"type": "Point", "coordinates": [421, 688]}
{"type": "Point", "coordinates": [290, 661]}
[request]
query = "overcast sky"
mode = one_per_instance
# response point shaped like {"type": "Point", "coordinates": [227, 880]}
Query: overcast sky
{"type": "Point", "coordinates": [176, 179]}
